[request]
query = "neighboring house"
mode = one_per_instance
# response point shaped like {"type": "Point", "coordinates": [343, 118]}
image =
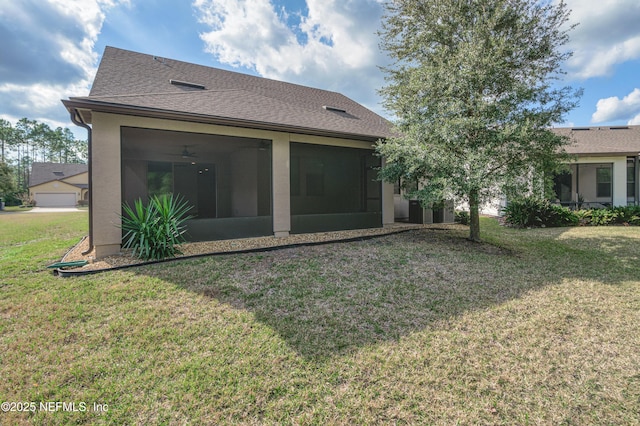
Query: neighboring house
{"type": "Point", "coordinates": [253, 156]}
{"type": "Point", "coordinates": [58, 185]}
{"type": "Point", "coordinates": [605, 170]}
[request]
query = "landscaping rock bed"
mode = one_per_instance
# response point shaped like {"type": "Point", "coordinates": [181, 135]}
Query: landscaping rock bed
{"type": "Point", "coordinates": [225, 246]}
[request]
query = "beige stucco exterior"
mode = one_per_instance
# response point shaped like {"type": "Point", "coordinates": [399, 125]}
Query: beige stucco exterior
{"type": "Point", "coordinates": [79, 179]}
{"type": "Point", "coordinates": [106, 163]}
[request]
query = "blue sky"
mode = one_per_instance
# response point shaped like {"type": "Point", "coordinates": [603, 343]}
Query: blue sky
{"type": "Point", "coordinates": [51, 48]}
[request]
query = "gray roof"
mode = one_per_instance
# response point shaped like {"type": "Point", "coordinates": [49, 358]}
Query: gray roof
{"type": "Point", "coordinates": [48, 172]}
{"type": "Point", "coordinates": [139, 84]}
{"type": "Point", "coordinates": [609, 140]}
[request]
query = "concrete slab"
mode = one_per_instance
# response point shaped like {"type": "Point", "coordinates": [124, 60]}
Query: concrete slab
{"type": "Point", "coordinates": [54, 210]}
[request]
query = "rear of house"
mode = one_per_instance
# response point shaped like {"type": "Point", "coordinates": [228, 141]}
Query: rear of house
{"type": "Point", "coordinates": [253, 156]}
{"type": "Point", "coordinates": [605, 169]}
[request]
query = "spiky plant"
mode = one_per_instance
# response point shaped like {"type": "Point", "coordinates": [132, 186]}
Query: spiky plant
{"type": "Point", "coordinates": [155, 230]}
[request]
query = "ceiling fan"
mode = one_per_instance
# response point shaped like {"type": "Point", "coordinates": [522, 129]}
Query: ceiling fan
{"type": "Point", "coordinates": [186, 153]}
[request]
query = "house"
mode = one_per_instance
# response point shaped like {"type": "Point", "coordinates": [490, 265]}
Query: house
{"type": "Point", "coordinates": [253, 156]}
{"type": "Point", "coordinates": [58, 185]}
{"type": "Point", "coordinates": [603, 172]}
{"type": "Point", "coordinates": [605, 169]}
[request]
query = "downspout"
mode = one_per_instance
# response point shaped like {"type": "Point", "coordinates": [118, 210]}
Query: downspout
{"type": "Point", "coordinates": [637, 180]}
{"type": "Point", "coordinates": [579, 205]}
{"type": "Point", "coordinates": [77, 120]}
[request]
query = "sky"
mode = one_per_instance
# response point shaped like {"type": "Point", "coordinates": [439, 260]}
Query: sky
{"type": "Point", "coordinates": [50, 49]}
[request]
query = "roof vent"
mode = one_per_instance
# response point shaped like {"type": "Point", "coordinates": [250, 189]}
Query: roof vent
{"type": "Point", "coordinates": [58, 173]}
{"type": "Point", "coordinates": [334, 109]}
{"type": "Point", "coordinates": [619, 128]}
{"type": "Point", "coordinates": [186, 84]}
{"type": "Point", "coordinates": [580, 128]}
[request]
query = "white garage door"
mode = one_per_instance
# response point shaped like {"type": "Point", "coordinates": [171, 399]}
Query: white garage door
{"type": "Point", "coordinates": [61, 199]}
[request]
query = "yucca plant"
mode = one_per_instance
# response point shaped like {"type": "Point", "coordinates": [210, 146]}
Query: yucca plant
{"type": "Point", "coordinates": [154, 231]}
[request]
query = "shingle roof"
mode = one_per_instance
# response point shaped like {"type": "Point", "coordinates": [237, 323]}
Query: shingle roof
{"type": "Point", "coordinates": [615, 140]}
{"type": "Point", "coordinates": [47, 172]}
{"type": "Point", "coordinates": [142, 83]}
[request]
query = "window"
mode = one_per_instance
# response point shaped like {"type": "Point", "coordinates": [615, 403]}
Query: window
{"type": "Point", "coordinates": [412, 186]}
{"type": "Point", "coordinates": [631, 179]}
{"type": "Point", "coordinates": [396, 187]}
{"type": "Point", "coordinates": [603, 182]}
{"type": "Point", "coordinates": [159, 178]}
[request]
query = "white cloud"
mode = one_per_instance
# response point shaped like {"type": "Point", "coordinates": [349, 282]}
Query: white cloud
{"type": "Point", "coordinates": [614, 108]}
{"type": "Point", "coordinates": [608, 34]}
{"type": "Point", "coordinates": [51, 56]}
{"type": "Point", "coordinates": [334, 45]}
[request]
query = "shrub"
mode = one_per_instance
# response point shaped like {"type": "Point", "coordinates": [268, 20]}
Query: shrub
{"type": "Point", "coordinates": [601, 217]}
{"type": "Point", "coordinates": [462, 217]}
{"type": "Point", "coordinates": [153, 231]}
{"type": "Point", "coordinates": [12, 200]}
{"type": "Point", "coordinates": [532, 212]}
{"type": "Point", "coordinates": [523, 212]}
{"type": "Point", "coordinates": [627, 214]}
{"type": "Point", "coordinates": [559, 216]}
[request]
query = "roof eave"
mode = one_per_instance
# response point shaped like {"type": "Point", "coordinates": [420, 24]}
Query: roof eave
{"type": "Point", "coordinates": [107, 107]}
{"type": "Point", "coordinates": [604, 154]}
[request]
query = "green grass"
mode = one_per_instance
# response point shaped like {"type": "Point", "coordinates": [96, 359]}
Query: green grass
{"type": "Point", "coordinates": [15, 209]}
{"type": "Point", "coordinates": [534, 327]}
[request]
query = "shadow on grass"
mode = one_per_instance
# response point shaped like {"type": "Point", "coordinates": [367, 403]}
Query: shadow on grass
{"type": "Point", "coordinates": [328, 299]}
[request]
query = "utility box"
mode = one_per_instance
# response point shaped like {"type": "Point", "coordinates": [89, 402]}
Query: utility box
{"type": "Point", "coordinates": [415, 212]}
{"type": "Point", "coordinates": [438, 215]}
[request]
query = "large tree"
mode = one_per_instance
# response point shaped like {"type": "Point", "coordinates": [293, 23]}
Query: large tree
{"type": "Point", "coordinates": [475, 89]}
{"type": "Point", "coordinates": [7, 185]}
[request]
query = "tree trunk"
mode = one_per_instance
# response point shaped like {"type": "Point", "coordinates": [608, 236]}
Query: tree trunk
{"type": "Point", "coordinates": [474, 216]}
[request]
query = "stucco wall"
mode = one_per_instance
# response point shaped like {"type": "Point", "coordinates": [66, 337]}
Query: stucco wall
{"type": "Point", "coordinates": [82, 178]}
{"type": "Point", "coordinates": [54, 187]}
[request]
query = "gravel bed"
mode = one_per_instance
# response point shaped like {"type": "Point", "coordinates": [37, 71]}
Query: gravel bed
{"type": "Point", "coordinates": [222, 246]}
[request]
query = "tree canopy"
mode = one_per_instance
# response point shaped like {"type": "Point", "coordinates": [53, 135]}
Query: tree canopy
{"type": "Point", "coordinates": [29, 141]}
{"type": "Point", "coordinates": [475, 89]}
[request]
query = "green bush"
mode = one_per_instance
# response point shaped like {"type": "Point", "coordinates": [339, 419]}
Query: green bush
{"type": "Point", "coordinates": [628, 214]}
{"type": "Point", "coordinates": [523, 212]}
{"type": "Point", "coordinates": [599, 217]}
{"type": "Point", "coordinates": [602, 217]}
{"type": "Point", "coordinates": [462, 217]}
{"type": "Point", "coordinates": [154, 231]}
{"type": "Point", "coordinates": [557, 215]}
{"type": "Point", "coordinates": [532, 212]}
{"type": "Point", "coordinates": [536, 212]}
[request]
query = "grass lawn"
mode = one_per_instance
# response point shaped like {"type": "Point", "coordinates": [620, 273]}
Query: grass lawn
{"type": "Point", "coordinates": [537, 327]}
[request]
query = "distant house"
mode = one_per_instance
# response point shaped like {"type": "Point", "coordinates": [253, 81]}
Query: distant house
{"type": "Point", "coordinates": [605, 170]}
{"type": "Point", "coordinates": [58, 185]}
{"type": "Point", "coordinates": [253, 156]}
